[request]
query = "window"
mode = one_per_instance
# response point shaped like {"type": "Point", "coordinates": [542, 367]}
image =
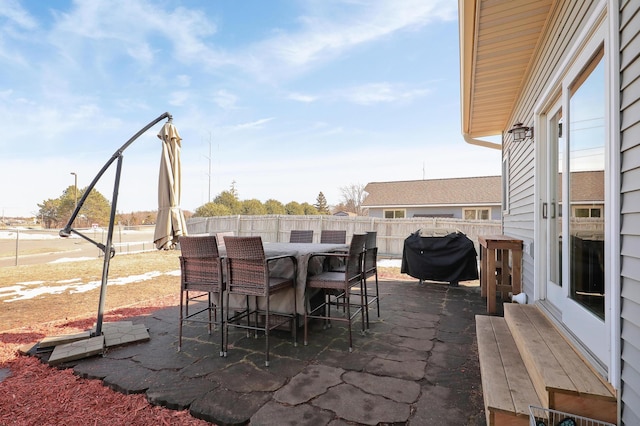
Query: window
{"type": "Point", "coordinates": [586, 149]}
{"type": "Point", "coordinates": [394, 214]}
{"type": "Point", "coordinates": [586, 211]}
{"type": "Point", "coordinates": [476, 214]}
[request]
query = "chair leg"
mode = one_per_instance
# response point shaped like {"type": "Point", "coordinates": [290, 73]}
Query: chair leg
{"type": "Point", "coordinates": [210, 307]}
{"type": "Point", "coordinates": [364, 305]}
{"type": "Point", "coordinates": [377, 295]}
{"type": "Point", "coordinates": [222, 323]}
{"type": "Point", "coordinates": [267, 327]}
{"type": "Point", "coordinates": [180, 320]}
{"type": "Point", "coordinates": [295, 318]}
{"type": "Point", "coordinates": [307, 302]}
{"type": "Point", "coordinates": [364, 302]}
{"type": "Point", "coordinates": [349, 318]}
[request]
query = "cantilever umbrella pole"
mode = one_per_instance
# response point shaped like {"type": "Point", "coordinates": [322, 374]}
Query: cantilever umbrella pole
{"type": "Point", "coordinates": [107, 249]}
{"type": "Point", "coordinates": [107, 257]}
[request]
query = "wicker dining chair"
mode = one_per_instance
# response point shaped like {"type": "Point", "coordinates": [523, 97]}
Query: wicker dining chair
{"type": "Point", "coordinates": [201, 273]}
{"type": "Point", "coordinates": [338, 285]}
{"type": "Point", "coordinates": [301, 236]}
{"type": "Point", "coordinates": [328, 236]}
{"type": "Point", "coordinates": [370, 269]}
{"type": "Point", "coordinates": [248, 275]}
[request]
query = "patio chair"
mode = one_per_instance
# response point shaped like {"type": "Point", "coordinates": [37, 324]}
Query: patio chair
{"type": "Point", "coordinates": [370, 269]}
{"type": "Point", "coordinates": [333, 237]}
{"type": "Point", "coordinates": [301, 236]}
{"type": "Point", "coordinates": [201, 272]}
{"type": "Point", "coordinates": [248, 275]}
{"type": "Point", "coordinates": [338, 285]}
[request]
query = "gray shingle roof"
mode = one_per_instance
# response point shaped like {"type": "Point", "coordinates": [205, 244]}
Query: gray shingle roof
{"type": "Point", "coordinates": [465, 191]}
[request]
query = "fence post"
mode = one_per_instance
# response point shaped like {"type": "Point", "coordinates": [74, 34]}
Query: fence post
{"type": "Point", "coordinates": [17, 245]}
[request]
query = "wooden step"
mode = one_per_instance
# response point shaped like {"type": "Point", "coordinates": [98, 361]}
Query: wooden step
{"type": "Point", "coordinates": [561, 377]}
{"type": "Point", "coordinates": [506, 387]}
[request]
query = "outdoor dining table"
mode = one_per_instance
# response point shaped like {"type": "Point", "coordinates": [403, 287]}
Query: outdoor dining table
{"type": "Point", "coordinates": [283, 301]}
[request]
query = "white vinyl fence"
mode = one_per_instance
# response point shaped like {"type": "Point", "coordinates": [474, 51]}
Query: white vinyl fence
{"type": "Point", "coordinates": [391, 232]}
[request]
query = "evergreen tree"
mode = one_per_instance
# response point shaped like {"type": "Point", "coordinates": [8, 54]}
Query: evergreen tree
{"type": "Point", "coordinates": [321, 204]}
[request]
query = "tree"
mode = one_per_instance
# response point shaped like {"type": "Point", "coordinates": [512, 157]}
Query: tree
{"type": "Point", "coordinates": [309, 209]}
{"type": "Point", "coordinates": [96, 208]}
{"type": "Point", "coordinates": [352, 197]}
{"type": "Point", "coordinates": [321, 204]}
{"type": "Point", "coordinates": [294, 208]}
{"type": "Point", "coordinates": [274, 207]}
{"type": "Point", "coordinates": [49, 213]}
{"type": "Point", "coordinates": [212, 209]}
{"type": "Point", "coordinates": [253, 207]}
{"type": "Point", "coordinates": [57, 212]}
{"type": "Point", "coordinates": [229, 199]}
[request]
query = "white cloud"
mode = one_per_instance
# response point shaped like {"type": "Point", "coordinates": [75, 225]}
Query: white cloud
{"type": "Point", "coordinates": [138, 28]}
{"type": "Point", "coordinates": [300, 97]}
{"type": "Point", "coordinates": [225, 99]}
{"type": "Point", "coordinates": [16, 14]}
{"type": "Point", "coordinates": [366, 94]}
{"type": "Point", "coordinates": [178, 97]}
{"type": "Point", "coordinates": [334, 27]}
{"type": "Point", "coordinates": [254, 124]}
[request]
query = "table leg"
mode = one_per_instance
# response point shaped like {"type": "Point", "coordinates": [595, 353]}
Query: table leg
{"type": "Point", "coordinates": [483, 271]}
{"type": "Point", "coordinates": [491, 281]}
{"type": "Point", "coordinates": [504, 269]}
{"type": "Point", "coordinates": [516, 272]}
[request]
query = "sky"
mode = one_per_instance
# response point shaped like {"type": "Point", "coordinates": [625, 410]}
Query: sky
{"type": "Point", "coordinates": [283, 99]}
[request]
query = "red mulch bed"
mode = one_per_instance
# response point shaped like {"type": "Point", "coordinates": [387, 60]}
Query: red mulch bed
{"type": "Point", "coordinates": [35, 393]}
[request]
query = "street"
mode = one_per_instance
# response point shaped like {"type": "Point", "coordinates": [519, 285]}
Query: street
{"type": "Point", "coordinates": [35, 246]}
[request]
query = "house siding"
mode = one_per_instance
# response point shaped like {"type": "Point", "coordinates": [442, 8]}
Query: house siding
{"type": "Point", "coordinates": [453, 212]}
{"type": "Point", "coordinates": [629, 20]}
{"type": "Point", "coordinates": [567, 20]}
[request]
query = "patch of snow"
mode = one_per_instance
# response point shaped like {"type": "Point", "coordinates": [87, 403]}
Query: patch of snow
{"type": "Point", "coordinates": [21, 291]}
{"type": "Point", "coordinates": [390, 263]}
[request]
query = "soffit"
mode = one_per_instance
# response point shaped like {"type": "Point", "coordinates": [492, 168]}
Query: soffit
{"type": "Point", "coordinates": [498, 41]}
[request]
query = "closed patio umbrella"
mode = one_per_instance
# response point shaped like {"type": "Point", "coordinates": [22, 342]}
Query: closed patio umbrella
{"type": "Point", "coordinates": [170, 223]}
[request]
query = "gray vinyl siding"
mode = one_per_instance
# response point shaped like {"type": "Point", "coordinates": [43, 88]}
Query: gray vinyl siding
{"type": "Point", "coordinates": [568, 19]}
{"type": "Point", "coordinates": [453, 212]}
{"type": "Point", "coordinates": [630, 210]}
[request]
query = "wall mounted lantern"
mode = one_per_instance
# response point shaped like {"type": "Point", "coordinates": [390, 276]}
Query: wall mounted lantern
{"type": "Point", "coordinates": [521, 132]}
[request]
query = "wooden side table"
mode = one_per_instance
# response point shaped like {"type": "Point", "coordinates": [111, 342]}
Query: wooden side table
{"type": "Point", "coordinates": [496, 273]}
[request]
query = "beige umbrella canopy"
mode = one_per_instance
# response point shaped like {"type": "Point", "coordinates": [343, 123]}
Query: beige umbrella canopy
{"type": "Point", "coordinates": [170, 223]}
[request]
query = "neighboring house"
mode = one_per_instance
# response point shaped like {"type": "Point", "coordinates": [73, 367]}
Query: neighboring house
{"type": "Point", "coordinates": [569, 69]}
{"type": "Point", "coordinates": [462, 198]}
{"type": "Point", "coordinates": [344, 213]}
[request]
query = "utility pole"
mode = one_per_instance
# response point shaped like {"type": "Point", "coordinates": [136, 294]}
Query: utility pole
{"type": "Point", "coordinates": [209, 198]}
{"type": "Point", "coordinates": [209, 173]}
{"type": "Point", "coordinates": [75, 187]}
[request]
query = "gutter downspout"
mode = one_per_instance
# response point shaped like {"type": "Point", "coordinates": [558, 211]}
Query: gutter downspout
{"type": "Point", "coordinates": [468, 139]}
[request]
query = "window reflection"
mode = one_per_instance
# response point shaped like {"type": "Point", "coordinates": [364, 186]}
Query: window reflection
{"type": "Point", "coordinates": [586, 187]}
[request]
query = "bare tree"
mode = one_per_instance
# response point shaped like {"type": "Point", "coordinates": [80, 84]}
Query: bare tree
{"type": "Point", "coordinates": [353, 196]}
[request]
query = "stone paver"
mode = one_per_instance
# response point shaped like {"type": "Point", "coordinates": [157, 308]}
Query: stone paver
{"type": "Point", "coordinates": [353, 404]}
{"type": "Point", "coordinates": [417, 365]}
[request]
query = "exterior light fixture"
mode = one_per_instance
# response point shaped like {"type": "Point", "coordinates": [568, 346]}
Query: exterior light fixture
{"type": "Point", "coordinates": [521, 132]}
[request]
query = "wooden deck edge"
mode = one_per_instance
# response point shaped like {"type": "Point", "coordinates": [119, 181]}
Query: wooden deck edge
{"type": "Point", "coordinates": [507, 387]}
{"type": "Point", "coordinates": [587, 395]}
{"type": "Point", "coordinates": [583, 391]}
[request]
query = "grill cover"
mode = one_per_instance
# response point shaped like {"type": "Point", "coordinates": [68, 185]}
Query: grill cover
{"type": "Point", "coordinates": [451, 258]}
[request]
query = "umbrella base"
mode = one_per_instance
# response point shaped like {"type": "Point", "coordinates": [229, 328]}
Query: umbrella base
{"type": "Point", "coordinates": [84, 345]}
